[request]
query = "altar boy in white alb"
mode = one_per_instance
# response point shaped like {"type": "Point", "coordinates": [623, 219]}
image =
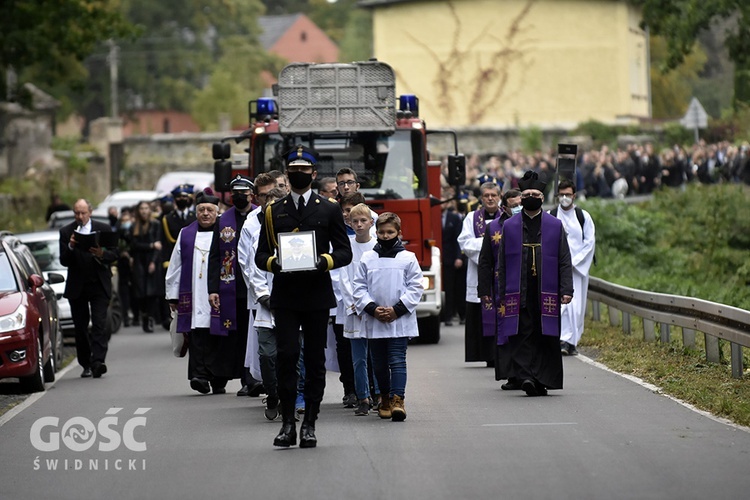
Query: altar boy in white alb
{"type": "Point", "coordinates": [580, 229]}
{"type": "Point", "coordinates": [388, 288]}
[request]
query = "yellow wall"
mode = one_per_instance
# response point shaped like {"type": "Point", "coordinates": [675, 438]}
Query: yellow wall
{"type": "Point", "coordinates": [549, 63]}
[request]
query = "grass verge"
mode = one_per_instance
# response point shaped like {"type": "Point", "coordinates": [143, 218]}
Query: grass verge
{"type": "Point", "coordinates": [679, 371]}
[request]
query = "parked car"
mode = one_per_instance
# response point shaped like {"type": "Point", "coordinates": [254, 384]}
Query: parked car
{"type": "Point", "coordinates": [120, 199]}
{"type": "Point", "coordinates": [30, 339]}
{"type": "Point", "coordinates": [171, 180]}
{"type": "Point", "coordinates": [65, 217]}
{"type": "Point", "coordinates": [45, 247]}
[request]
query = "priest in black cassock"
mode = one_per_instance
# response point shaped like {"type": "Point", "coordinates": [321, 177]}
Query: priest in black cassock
{"type": "Point", "coordinates": [535, 277]}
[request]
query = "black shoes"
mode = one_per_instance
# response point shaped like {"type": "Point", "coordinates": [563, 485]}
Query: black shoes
{"type": "Point", "coordinates": [201, 385]}
{"type": "Point", "coordinates": [350, 400]}
{"type": "Point", "coordinates": [287, 435]}
{"type": "Point", "coordinates": [86, 373]}
{"type": "Point", "coordinates": [511, 385]}
{"type": "Point", "coordinates": [568, 349]}
{"type": "Point", "coordinates": [243, 391]}
{"type": "Point", "coordinates": [307, 437]}
{"type": "Point", "coordinates": [148, 324]}
{"type": "Point", "coordinates": [218, 390]}
{"type": "Point", "coordinates": [255, 389]}
{"type": "Point", "coordinates": [98, 369]}
{"type": "Point", "coordinates": [531, 388]}
{"type": "Point", "coordinates": [363, 409]}
{"type": "Point", "coordinates": [572, 350]}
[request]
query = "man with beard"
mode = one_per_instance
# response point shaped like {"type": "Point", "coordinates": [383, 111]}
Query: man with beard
{"type": "Point", "coordinates": [302, 298]}
{"type": "Point", "coordinates": [187, 293]}
{"type": "Point", "coordinates": [534, 277]}
{"type": "Point", "coordinates": [228, 291]}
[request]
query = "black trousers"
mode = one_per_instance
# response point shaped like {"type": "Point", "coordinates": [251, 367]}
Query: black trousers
{"type": "Point", "coordinates": [202, 353]}
{"type": "Point", "coordinates": [91, 305]}
{"type": "Point", "coordinates": [344, 357]}
{"type": "Point", "coordinates": [314, 326]}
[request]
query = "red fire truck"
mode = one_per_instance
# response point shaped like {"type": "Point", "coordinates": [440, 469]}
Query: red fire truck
{"type": "Point", "coordinates": [350, 114]}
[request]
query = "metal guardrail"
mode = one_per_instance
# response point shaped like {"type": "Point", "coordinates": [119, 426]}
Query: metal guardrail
{"type": "Point", "coordinates": [715, 321]}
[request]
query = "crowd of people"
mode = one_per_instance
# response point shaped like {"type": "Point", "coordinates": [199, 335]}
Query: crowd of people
{"type": "Point", "coordinates": [227, 278]}
{"type": "Point", "coordinates": [635, 169]}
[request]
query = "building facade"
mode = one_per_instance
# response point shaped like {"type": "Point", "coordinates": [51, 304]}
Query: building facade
{"type": "Point", "coordinates": [507, 64]}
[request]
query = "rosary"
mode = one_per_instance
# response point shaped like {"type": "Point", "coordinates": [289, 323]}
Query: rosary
{"type": "Point", "coordinates": [203, 259]}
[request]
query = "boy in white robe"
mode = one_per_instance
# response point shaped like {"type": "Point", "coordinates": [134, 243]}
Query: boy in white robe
{"type": "Point", "coordinates": [388, 288]}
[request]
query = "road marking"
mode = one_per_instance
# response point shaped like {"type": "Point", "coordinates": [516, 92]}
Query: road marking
{"type": "Point", "coordinates": [658, 390]}
{"type": "Point", "coordinates": [527, 424]}
{"type": "Point", "coordinates": [33, 398]}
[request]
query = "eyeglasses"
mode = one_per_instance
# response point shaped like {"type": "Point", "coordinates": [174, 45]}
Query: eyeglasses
{"type": "Point", "coordinates": [532, 195]}
{"type": "Point", "coordinates": [345, 183]}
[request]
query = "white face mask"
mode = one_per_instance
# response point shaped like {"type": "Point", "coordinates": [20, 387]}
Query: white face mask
{"type": "Point", "coordinates": [565, 201]}
{"type": "Point", "coordinates": [516, 210]}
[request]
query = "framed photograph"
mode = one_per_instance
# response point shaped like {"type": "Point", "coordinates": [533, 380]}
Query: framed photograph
{"type": "Point", "coordinates": [297, 251]}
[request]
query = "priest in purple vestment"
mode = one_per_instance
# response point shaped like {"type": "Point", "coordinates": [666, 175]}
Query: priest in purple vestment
{"type": "Point", "coordinates": [534, 277]}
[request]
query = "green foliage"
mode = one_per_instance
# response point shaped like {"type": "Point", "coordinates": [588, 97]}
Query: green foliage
{"type": "Point", "coordinates": [599, 132]}
{"type": "Point", "coordinates": [671, 90]}
{"type": "Point", "coordinates": [691, 243]}
{"type": "Point", "coordinates": [674, 133]}
{"type": "Point", "coordinates": [356, 45]}
{"type": "Point", "coordinates": [531, 139]}
{"type": "Point", "coordinates": [49, 41]}
{"type": "Point", "coordinates": [681, 21]}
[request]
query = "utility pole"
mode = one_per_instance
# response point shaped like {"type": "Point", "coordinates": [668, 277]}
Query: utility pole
{"type": "Point", "coordinates": [113, 60]}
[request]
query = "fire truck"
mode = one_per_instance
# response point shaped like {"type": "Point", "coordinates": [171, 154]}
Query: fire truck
{"type": "Point", "coordinates": [350, 114]}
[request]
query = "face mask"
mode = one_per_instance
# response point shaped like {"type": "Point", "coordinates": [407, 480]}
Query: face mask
{"type": "Point", "coordinates": [126, 225]}
{"type": "Point", "coordinates": [240, 201]}
{"type": "Point", "coordinates": [387, 244]}
{"type": "Point", "coordinates": [181, 204]}
{"type": "Point", "coordinates": [565, 202]}
{"type": "Point", "coordinates": [531, 204]}
{"type": "Point", "coordinates": [300, 180]}
{"type": "Point", "coordinates": [516, 210]}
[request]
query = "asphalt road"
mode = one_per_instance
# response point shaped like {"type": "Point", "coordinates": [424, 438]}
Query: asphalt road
{"type": "Point", "coordinates": [603, 436]}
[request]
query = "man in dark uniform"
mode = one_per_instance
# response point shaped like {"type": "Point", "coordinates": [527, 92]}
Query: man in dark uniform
{"type": "Point", "coordinates": [302, 298]}
{"type": "Point", "coordinates": [534, 278]}
{"type": "Point", "coordinates": [228, 291]}
{"type": "Point", "coordinates": [170, 224]}
{"type": "Point", "coordinates": [89, 284]}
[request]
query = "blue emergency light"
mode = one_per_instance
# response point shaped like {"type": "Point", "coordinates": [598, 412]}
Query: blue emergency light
{"type": "Point", "coordinates": [409, 102]}
{"type": "Point", "coordinates": [266, 106]}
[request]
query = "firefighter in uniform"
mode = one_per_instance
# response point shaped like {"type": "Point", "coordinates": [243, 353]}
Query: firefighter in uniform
{"type": "Point", "coordinates": [302, 298]}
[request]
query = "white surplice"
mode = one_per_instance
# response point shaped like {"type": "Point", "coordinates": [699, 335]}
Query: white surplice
{"type": "Point", "coordinates": [582, 255]}
{"type": "Point", "coordinates": [201, 314]}
{"type": "Point", "coordinates": [385, 281]}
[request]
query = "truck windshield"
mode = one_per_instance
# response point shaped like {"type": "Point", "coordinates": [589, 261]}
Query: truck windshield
{"type": "Point", "coordinates": [387, 166]}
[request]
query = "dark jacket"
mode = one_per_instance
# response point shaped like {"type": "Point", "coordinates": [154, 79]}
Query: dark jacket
{"type": "Point", "coordinates": [304, 290]}
{"type": "Point", "coordinates": [83, 268]}
{"type": "Point", "coordinates": [451, 229]}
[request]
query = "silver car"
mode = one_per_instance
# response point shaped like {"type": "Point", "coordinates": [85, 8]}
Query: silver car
{"type": "Point", "coordinates": [45, 246]}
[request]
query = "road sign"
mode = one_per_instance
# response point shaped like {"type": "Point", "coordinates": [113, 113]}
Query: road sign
{"type": "Point", "coordinates": [696, 116]}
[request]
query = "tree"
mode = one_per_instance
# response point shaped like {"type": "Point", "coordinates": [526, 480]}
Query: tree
{"type": "Point", "coordinates": [356, 45]}
{"type": "Point", "coordinates": [681, 21]}
{"type": "Point", "coordinates": [671, 91]}
{"type": "Point", "coordinates": [51, 39]}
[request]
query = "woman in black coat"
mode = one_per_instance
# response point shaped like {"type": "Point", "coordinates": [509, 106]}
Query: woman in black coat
{"type": "Point", "coordinates": [145, 250]}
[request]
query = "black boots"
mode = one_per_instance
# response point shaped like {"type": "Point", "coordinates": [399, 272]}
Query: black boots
{"type": "Point", "coordinates": [287, 435]}
{"type": "Point", "coordinates": [307, 437]}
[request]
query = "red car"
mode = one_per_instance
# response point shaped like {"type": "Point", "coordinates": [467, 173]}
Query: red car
{"type": "Point", "coordinates": [30, 339]}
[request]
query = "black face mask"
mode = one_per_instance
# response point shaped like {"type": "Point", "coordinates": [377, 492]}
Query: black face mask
{"type": "Point", "coordinates": [239, 200]}
{"type": "Point", "coordinates": [387, 244]}
{"type": "Point", "coordinates": [181, 203]}
{"type": "Point", "coordinates": [531, 204]}
{"type": "Point", "coordinates": [300, 180]}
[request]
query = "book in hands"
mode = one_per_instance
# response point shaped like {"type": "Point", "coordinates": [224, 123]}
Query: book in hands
{"type": "Point", "coordinates": [96, 239]}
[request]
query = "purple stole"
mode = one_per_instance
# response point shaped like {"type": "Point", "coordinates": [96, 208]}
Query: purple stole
{"type": "Point", "coordinates": [488, 311]}
{"type": "Point", "coordinates": [185, 296]}
{"type": "Point", "coordinates": [226, 318]}
{"type": "Point", "coordinates": [492, 311]}
{"type": "Point", "coordinates": [549, 297]}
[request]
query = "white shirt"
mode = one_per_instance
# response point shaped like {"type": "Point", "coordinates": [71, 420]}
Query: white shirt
{"type": "Point", "coordinates": [201, 314]}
